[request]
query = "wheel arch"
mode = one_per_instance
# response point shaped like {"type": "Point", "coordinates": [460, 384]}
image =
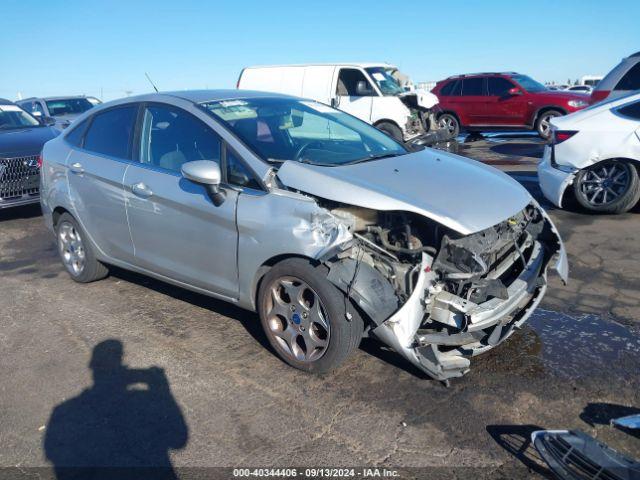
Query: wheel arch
{"type": "Point", "coordinates": [265, 267]}
{"type": "Point", "coordinates": [387, 120]}
{"type": "Point", "coordinates": [450, 112]}
{"type": "Point", "coordinates": [57, 213]}
{"type": "Point", "coordinates": [546, 108]}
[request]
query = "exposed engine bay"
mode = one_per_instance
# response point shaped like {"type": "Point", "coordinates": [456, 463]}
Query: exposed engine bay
{"type": "Point", "coordinates": [438, 297]}
{"type": "Point", "coordinates": [424, 107]}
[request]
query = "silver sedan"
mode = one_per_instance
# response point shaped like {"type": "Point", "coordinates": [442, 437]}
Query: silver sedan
{"type": "Point", "coordinates": [325, 226]}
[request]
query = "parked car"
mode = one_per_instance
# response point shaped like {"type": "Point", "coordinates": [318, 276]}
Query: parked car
{"type": "Point", "coordinates": [586, 89]}
{"type": "Point", "coordinates": [62, 109]}
{"type": "Point", "coordinates": [623, 79]}
{"type": "Point", "coordinates": [591, 80]}
{"type": "Point", "coordinates": [597, 151]}
{"type": "Point", "coordinates": [365, 90]}
{"type": "Point", "coordinates": [324, 225]}
{"type": "Point", "coordinates": [21, 140]}
{"type": "Point", "coordinates": [499, 101]}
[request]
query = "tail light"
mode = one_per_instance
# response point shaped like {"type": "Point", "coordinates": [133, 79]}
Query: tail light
{"type": "Point", "coordinates": [599, 95]}
{"type": "Point", "coordinates": [560, 136]}
{"type": "Point", "coordinates": [40, 161]}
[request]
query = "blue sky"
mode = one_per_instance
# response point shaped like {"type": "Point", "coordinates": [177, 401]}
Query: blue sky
{"type": "Point", "coordinates": [70, 47]}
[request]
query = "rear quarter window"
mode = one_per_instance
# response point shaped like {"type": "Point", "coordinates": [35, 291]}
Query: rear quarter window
{"type": "Point", "coordinates": [111, 132]}
{"type": "Point", "coordinates": [75, 136]}
{"type": "Point", "coordinates": [452, 88]}
{"type": "Point", "coordinates": [630, 111]}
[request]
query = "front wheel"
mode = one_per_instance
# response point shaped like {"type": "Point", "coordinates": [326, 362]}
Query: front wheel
{"type": "Point", "coordinates": [392, 130]}
{"type": "Point", "coordinates": [611, 186]}
{"type": "Point", "coordinates": [304, 317]}
{"type": "Point", "coordinates": [450, 124]}
{"type": "Point", "coordinates": [543, 123]}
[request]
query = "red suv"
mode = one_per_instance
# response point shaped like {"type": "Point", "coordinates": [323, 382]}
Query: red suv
{"type": "Point", "coordinates": [502, 101]}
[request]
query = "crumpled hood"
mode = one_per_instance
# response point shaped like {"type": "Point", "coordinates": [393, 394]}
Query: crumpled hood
{"type": "Point", "coordinates": [28, 141]}
{"type": "Point", "coordinates": [459, 193]}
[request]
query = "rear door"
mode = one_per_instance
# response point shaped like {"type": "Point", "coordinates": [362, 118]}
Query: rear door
{"type": "Point", "coordinates": [473, 100]}
{"type": "Point", "coordinates": [502, 108]}
{"type": "Point", "coordinates": [176, 229]}
{"type": "Point", "coordinates": [347, 97]}
{"type": "Point", "coordinates": [96, 170]}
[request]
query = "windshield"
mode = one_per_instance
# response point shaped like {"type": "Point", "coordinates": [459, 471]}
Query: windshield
{"type": "Point", "coordinates": [12, 116]}
{"type": "Point", "coordinates": [65, 106]}
{"type": "Point", "coordinates": [280, 129]}
{"type": "Point", "coordinates": [385, 82]}
{"type": "Point", "coordinates": [529, 84]}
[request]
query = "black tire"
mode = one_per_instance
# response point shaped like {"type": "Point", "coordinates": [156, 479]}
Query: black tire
{"type": "Point", "coordinates": [628, 192]}
{"type": "Point", "coordinates": [91, 269]}
{"type": "Point", "coordinates": [392, 130]}
{"type": "Point", "coordinates": [542, 122]}
{"type": "Point", "coordinates": [450, 124]}
{"type": "Point", "coordinates": [343, 335]}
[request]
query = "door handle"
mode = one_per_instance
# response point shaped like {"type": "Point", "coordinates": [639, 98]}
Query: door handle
{"type": "Point", "coordinates": [76, 168]}
{"type": "Point", "coordinates": [141, 190]}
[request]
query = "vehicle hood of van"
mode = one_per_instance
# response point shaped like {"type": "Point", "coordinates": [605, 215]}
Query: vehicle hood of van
{"type": "Point", "coordinates": [459, 193]}
{"type": "Point", "coordinates": [24, 140]}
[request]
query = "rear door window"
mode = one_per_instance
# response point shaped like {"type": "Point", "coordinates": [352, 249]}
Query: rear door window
{"type": "Point", "coordinates": [74, 137]}
{"type": "Point", "coordinates": [111, 132]}
{"type": "Point", "coordinates": [473, 86]}
{"type": "Point", "coordinates": [631, 79]}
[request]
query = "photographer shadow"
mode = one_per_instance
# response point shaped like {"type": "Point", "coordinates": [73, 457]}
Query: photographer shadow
{"type": "Point", "coordinates": [123, 426]}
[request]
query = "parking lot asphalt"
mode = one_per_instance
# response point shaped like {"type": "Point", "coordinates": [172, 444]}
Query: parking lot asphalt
{"type": "Point", "coordinates": [229, 401]}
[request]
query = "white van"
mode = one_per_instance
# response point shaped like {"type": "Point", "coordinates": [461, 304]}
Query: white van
{"type": "Point", "coordinates": [365, 90]}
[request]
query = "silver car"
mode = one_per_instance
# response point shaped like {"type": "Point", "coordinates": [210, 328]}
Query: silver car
{"type": "Point", "coordinates": [324, 225]}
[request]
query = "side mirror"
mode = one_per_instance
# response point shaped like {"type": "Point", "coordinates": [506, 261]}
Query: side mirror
{"type": "Point", "coordinates": [46, 121]}
{"type": "Point", "coordinates": [515, 91]}
{"type": "Point", "coordinates": [206, 173]}
{"type": "Point", "coordinates": [363, 89]}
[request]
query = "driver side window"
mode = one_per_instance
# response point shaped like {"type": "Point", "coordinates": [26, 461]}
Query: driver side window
{"type": "Point", "coordinates": [171, 137]}
{"type": "Point", "coordinates": [348, 83]}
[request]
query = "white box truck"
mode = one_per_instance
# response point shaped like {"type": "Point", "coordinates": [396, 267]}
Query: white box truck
{"type": "Point", "coordinates": [368, 91]}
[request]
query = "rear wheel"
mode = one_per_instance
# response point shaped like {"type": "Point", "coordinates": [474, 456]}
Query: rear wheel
{"type": "Point", "coordinates": [76, 252]}
{"type": "Point", "coordinates": [392, 130]}
{"type": "Point", "coordinates": [304, 317]}
{"type": "Point", "coordinates": [450, 124]}
{"type": "Point", "coordinates": [543, 123]}
{"type": "Point", "coordinates": [611, 186]}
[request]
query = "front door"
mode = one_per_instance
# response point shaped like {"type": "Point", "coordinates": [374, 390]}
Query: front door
{"type": "Point", "coordinates": [503, 108]}
{"type": "Point", "coordinates": [176, 230]}
{"type": "Point", "coordinates": [95, 172]}
{"type": "Point", "coordinates": [349, 99]}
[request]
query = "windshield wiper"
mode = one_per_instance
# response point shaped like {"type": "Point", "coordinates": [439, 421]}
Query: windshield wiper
{"type": "Point", "coordinates": [374, 157]}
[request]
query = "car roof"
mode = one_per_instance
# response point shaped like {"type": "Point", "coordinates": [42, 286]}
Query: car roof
{"type": "Point", "coordinates": [463, 75]}
{"type": "Point", "coordinates": [201, 96]}
{"type": "Point", "coordinates": [341, 64]}
{"type": "Point", "coordinates": [47, 99]}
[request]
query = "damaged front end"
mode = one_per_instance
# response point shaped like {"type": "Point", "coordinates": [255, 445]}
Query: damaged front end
{"type": "Point", "coordinates": [437, 297]}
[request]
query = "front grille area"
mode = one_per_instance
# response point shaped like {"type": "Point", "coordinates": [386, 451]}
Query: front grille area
{"type": "Point", "coordinates": [19, 177]}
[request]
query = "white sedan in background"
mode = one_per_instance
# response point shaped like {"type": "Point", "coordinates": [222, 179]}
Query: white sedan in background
{"type": "Point", "coordinates": [597, 151]}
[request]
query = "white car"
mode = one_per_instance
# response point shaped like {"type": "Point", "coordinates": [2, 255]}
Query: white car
{"type": "Point", "coordinates": [365, 90]}
{"type": "Point", "coordinates": [597, 151]}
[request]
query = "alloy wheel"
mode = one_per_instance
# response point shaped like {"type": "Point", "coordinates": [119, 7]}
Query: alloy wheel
{"type": "Point", "coordinates": [448, 123]}
{"type": "Point", "coordinates": [604, 184]}
{"type": "Point", "coordinates": [297, 319]}
{"type": "Point", "coordinates": [71, 248]}
{"type": "Point", "coordinates": [545, 124]}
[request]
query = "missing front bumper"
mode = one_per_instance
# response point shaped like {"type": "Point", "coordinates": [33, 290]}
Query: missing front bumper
{"type": "Point", "coordinates": [481, 327]}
